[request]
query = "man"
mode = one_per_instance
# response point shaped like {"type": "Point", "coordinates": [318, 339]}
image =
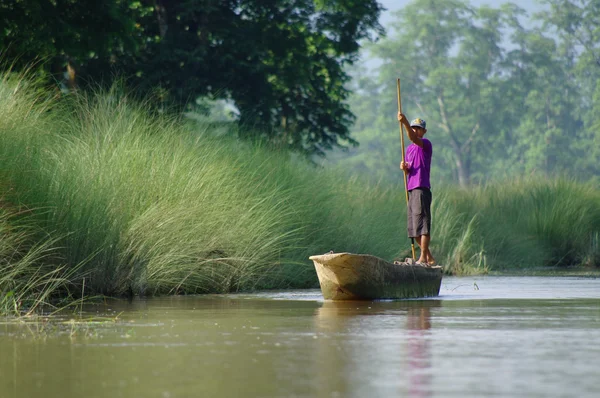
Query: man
{"type": "Point", "coordinates": [417, 167]}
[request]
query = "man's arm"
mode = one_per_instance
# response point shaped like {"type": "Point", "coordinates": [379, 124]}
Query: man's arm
{"type": "Point", "coordinates": [412, 134]}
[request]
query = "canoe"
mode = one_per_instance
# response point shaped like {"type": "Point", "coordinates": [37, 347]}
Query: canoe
{"type": "Point", "coordinates": [347, 276]}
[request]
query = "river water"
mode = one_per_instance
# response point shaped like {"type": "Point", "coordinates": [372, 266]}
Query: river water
{"type": "Point", "coordinates": [482, 337]}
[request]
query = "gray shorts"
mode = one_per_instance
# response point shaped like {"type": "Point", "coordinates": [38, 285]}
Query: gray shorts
{"type": "Point", "coordinates": [419, 212]}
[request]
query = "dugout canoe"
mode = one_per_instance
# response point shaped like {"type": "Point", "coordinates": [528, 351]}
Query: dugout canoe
{"type": "Point", "coordinates": [347, 276]}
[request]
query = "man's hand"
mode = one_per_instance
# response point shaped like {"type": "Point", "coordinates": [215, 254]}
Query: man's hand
{"type": "Point", "coordinates": [404, 166]}
{"type": "Point", "coordinates": [402, 118]}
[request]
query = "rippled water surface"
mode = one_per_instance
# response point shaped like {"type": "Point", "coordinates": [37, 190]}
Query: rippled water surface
{"type": "Point", "coordinates": [483, 337]}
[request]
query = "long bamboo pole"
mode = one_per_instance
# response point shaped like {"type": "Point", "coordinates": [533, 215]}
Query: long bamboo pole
{"type": "Point", "coordinates": [412, 240]}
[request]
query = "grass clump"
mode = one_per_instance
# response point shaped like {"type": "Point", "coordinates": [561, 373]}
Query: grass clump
{"type": "Point", "coordinates": [148, 206]}
{"type": "Point", "coordinates": [527, 223]}
{"type": "Point", "coordinates": [151, 206]}
{"type": "Point", "coordinates": [30, 276]}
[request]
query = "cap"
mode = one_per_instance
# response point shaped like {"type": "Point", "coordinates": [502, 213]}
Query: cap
{"type": "Point", "coordinates": [418, 123]}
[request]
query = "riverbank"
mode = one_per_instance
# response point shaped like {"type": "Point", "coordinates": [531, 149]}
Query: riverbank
{"type": "Point", "coordinates": [101, 195]}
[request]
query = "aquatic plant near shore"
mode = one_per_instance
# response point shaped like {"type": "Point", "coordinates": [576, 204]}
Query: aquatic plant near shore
{"type": "Point", "coordinates": [29, 275]}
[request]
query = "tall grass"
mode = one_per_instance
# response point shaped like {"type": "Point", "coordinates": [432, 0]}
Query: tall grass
{"type": "Point", "coordinates": [30, 276]}
{"type": "Point", "coordinates": [530, 222]}
{"type": "Point", "coordinates": [153, 204]}
{"type": "Point", "coordinates": [152, 207]}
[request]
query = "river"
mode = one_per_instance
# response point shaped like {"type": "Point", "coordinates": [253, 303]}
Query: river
{"type": "Point", "coordinates": [489, 336]}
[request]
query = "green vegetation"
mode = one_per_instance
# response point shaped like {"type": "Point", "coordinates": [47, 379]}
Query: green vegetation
{"type": "Point", "coordinates": [29, 278]}
{"type": "Point", "coordinates": [150, 205]}
{"type": "Point", "coordinates": [281, 63]}
{"type": "Point", "coordinates": [523, 223]}
{"type": "Point", "coordinates": [504, 94]}
{"type": "Point", "coordinates": [99, 187]}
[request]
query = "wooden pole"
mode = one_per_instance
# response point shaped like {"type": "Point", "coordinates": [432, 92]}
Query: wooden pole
{"type": "Point", "coordinates": [412, 240]}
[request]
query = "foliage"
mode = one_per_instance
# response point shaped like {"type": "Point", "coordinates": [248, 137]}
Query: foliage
{"type": "Point", "coordinates": [449, 67]}
{"type": "Point", "coordinates": [575, 23]}
{"type": "Point", "coordinates": [80, 34]}
{"type": "Point", "coordinates": [494, 109]}
{"type": "Point", "coordinates": [281, 62]}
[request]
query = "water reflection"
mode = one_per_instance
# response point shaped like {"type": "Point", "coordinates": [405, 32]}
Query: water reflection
{"type": "Point", "coordinates": [419, 354]}
{"type": "Point", "coordinates": [386, 343]}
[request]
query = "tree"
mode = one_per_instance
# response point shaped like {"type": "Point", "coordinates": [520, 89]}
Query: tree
{"type": "Point", "coordinates": [378, 146]}
{"type": "Point", "coordinates": [500, 99]}
{"type": "Point", "coordinates": [65, 35]}
{"type": "Point", "coordinates": [544, 119]}
{"type": "Point", "coordinates": [449, 58]}
{"type": "Point", "coordinates": [280, 61]}
{"type": "Point", "coordinates": [575, 23]}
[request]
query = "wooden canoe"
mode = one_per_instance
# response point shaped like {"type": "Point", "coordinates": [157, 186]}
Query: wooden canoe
{"type": "Point", "coordinates": [347, 276]}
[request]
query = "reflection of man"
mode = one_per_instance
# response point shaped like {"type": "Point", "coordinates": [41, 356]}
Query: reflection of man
{"type": "Point", "coordinates": [419, 318]}
{"type": "Point", "coordinates": [418, 323]}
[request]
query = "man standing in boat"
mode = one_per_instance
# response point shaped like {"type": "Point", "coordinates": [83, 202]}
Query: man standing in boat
{"type": "Point", "coordinates": [417, 167]}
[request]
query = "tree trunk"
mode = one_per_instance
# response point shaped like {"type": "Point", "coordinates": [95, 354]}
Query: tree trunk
{"type": "Point", "coordinates": [161, 16]}
{"type": "Point", "coordinates": [463, 172]}
{"type": "Point", "coordinates": [462, 151]}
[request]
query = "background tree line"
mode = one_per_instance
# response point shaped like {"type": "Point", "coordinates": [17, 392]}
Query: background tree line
{"type": "Point", "coordinates": [503, 95]}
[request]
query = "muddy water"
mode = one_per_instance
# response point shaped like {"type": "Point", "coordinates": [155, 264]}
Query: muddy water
{"type": "Point", "coordinates": [483, 337]}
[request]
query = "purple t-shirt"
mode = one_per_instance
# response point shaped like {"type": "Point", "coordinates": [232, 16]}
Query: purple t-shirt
{"type": "Point", "coordinates": [419, 163]}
